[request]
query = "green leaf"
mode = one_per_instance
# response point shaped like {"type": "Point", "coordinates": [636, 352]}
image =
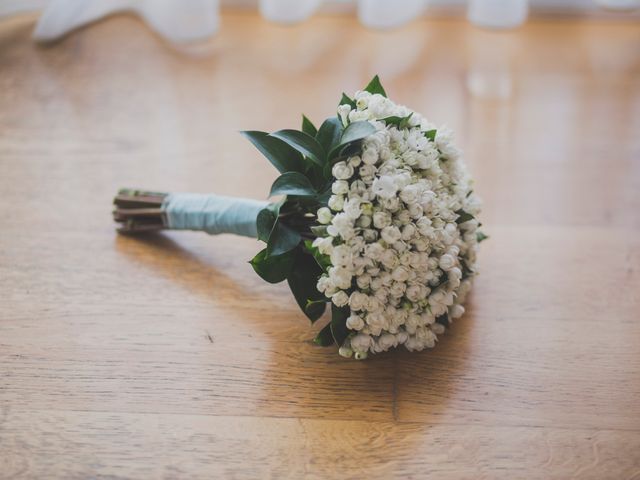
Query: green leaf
{"type": "Point", "coordinates": [278, 152]}
{"type": "Point", "coordinates": [355, 131]}
{"type": "Point", "coordinates": [346, 100]}
{"type": "Point", "coordinates": [315, 304]}
{"type": "Point", "coordinates": [282, 239]}
{"type": "Point", "coordinates": [308, 127]}
{"type": "Point", "coordinates": [302, 281]}
{"type": "Point", "coordinates": [375, 86]}
{"type": "Point", "coordinates": [292, 183]}
{"type": "Point", "coordinates": [324, 261]}
{"type": "Point", "coordinates": [324, 338]}
{"type": "Point", "coordinates": [339, 328]}
{"type": "Point", "coordinates": [444, 278]}
{"type": "Point", "coordinates": [431, 135]}
{"type": "Point", "coordinates": [466, 271]}
{"type": "Point", "coordinates": [273, 269]}
{"type": "Point", "coordinates": [329, 133]}
{"type": "Point", "coordinates": [400, 122]}
{"type": "Point", "coordinates": [303, 143]}
{"type": "Point", "coordinates": [480, 236]}
{"type": "Point", "coordinates": [319, 230]}
{"type": "Point", "coordinates": [463, 216]}
{"type": "Point", "coordinates": [443, 319]}
{"type": "Point", "coordinates": [266, 219]}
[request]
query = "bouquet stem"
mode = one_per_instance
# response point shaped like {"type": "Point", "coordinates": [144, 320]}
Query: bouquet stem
{"type": "Point", "coordinates": [139, 211]}
{"type": "Point", "coordinates": [142, 211]}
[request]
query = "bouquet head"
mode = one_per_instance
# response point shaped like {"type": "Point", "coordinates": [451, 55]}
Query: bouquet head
{"type": "Point", "coordinates": [378, 221]}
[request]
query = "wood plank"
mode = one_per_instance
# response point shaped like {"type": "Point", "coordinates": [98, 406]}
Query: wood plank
{"type": "Point", "coordinates": [76, 444]}
{"type": "Point", "coordinates": [166, 356]}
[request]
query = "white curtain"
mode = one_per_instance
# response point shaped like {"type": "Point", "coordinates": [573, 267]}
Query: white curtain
{"type": "Point", "coordinates": [177, 20]}
{"type": "Point", "coordinates": [188, 20]}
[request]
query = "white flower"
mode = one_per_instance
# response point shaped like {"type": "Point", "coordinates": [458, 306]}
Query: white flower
{"type": "Point", "coordinates": [358, 301]}
{"type": "Point", "coordinates": [400, 274]}
{"type": "Point", "coordinates": [379, 106]}
{"type": "Point", "coordinates": [415, 210]}
{"type": "Point", "coordinates": [456, 311]}
{"type": "Point", "coordinates": [324, 245]}
{"type": "Point", "coordinates": [402, 217]}
{"type": "Point", "coordinates": [381, 219]}
{"type": "Point", "coordinates": [367, 171]}
{"type": "Point", "coordinates": [357, 115]}
{"type": "Point", "coordinates": [369, 156]}
{"type": "Point", "coordinates": [437, 328]}
{"type": "Point", "coordinates": [342, 171]}
{"type": "Point", "coordinates": [361, 342]}
{"type": "Point", "coordinates": [391, 231]}
{"type": "Point", "coordinates": [384, 187]}
{"type": "Point", "coordinates": [354, 161]}
{"type": "Point", "coordinates": [386, 341]}
{"type": "Point", "coordinates": [413, 292]}
{"type": "Point", "coordinates": [370, 235]}
{"type": "Point", "coordinates": [343, 113]}
{"type": "Point", "coordinates": [342, 226]}
{"type": "Point", "coordinates": [345, 352]}
{"type": "Point", "coordinates": [397, 289]}
{"type": "Point", "coordinates": [391, 204]}
{"type": "Point", "coordinates": [340, 299]}
{"type": "Point", "coordinates": [325, 285]}
{"type": "Point", "coordinates": [447, 262]}
{"type": "Point", "coordinates": [410, 194]}
{"type": "Point", "coordinates": [408, 232]}
{"type": "Point", "coordinates": [363, 281]}
{"type": "Point", "coordinates": [352, 208]}
{"type": "Point", "coordinates": [354, 322]}
{"type": "Point", "coordinates": [390, 259]}
{"type": "Point", "coordinates": [424, 226]}
{"type": "Point", "coordinates": [341, 256]}
{"type": "Point", "coordinates": [324, 215]}
{"type": "Point", "coordinates": [336, 202]}
{"type": "Point", "coordinates": [376, 319]}
{"type": "Point", "coordinates": [340, 277]}
{"type": "Point", "coordinates": [391, 234]}
{"type": "Point", "coordinates": [340, 187]}
{"type": "Point", "coordinates": [374, 251]}
{"type": "Point", "coordinates": [364, 221]}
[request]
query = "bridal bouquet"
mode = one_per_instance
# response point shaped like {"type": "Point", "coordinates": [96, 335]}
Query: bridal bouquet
{"type": "Point", "coordinates": [376, 218]}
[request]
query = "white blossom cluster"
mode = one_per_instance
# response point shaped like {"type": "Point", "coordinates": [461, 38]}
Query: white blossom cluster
{"type": "Point", "coordinates": [400, 254]}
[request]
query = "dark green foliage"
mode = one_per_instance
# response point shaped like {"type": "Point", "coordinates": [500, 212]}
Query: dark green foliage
{"type": "Point", "coordinates": [400, 122]}
{"type": "Point", "coordinates": [329, 133]}
{"type": "Point", "coordinates": [375, 86]}
{"type": "Point", "coordinates": [303, 143]}
{"type": "Point", "coordinates": [463, 216]}
{"type": "Point", "coordinates": [292, 183]}
{"type": "Point", "coordinates": [443, 319]}
{"type": "Point", "coordinates": [346, 100]}
{"type": "Point", "coordinates": [279, 153]}
{"type": "Point", "coordinates": [308, 127]}
{"type": "Point", "coordinates": [431, 135]}
{"type": "Point", "coordinates": [273, 269]}
{"type": "Point", "coordinates": [302, 281]}
{"type": "Point", "coordinates": [339, 328]}
{"type": "Point", "coordinates": [324, 338]}
{"type": "Point", "coordinates": [282, 239]}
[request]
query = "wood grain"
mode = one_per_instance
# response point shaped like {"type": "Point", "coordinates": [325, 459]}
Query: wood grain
{"type": "Point", "coordinates": [165, 356]}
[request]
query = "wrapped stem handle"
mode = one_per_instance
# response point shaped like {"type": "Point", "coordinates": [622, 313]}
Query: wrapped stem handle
{"type": "Point", "coordinates": [139, 211]}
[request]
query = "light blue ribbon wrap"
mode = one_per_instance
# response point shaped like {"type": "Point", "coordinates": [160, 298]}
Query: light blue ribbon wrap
{"type": "Point", "coordinates": [213, 214]}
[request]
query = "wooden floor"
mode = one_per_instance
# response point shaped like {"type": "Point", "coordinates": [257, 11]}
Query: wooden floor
{"type": "Point", "coordinates": [167, 357]}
